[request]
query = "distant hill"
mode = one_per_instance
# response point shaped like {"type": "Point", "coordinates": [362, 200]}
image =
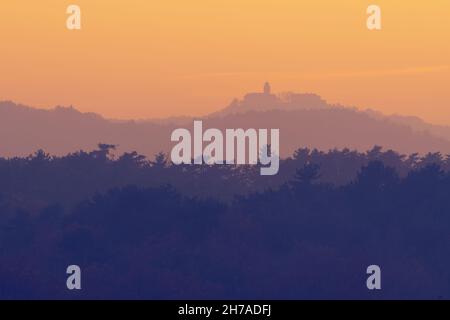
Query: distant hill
{"type": "Point", "coordinates": [415, 123]}
{"type": "Point", "coordinates": [304, 120]}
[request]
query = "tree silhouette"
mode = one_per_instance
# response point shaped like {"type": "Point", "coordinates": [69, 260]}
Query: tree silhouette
{"type": "Point", "coordinates": [308, 174]}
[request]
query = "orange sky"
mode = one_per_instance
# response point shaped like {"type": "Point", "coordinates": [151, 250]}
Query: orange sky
{"type": "Point", "coordinates": [151, 58]}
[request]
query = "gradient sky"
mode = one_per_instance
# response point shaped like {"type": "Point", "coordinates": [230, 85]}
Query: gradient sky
{"type": "Point", "coordinates": [149, 58]}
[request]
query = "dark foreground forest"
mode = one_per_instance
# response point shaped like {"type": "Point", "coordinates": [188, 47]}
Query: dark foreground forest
{"type": "Point", "coordinates": [142, 228]}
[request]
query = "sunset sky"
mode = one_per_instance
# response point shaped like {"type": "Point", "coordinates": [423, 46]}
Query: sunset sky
{"type": "Point", "coordinates": [152, 58]}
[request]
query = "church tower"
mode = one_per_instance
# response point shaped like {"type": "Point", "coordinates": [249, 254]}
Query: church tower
{"type": "Point", "coordinates": [267, 88]}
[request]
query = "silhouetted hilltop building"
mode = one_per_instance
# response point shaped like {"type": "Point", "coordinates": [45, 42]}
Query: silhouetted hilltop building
{"type": "Point", "coordinates": [266, 100]}
{"type": "Point", "coordinates": [303, 100]}
{"type": "Point", "coordinates": [262, 99]}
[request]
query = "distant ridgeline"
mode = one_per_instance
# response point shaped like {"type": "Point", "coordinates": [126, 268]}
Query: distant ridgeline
{"type": "Point", "coordinates": [303, 120]}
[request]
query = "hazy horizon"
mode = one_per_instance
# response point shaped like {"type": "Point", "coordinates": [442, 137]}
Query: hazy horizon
{"type": "Point", "coordinates": [139, 60]}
